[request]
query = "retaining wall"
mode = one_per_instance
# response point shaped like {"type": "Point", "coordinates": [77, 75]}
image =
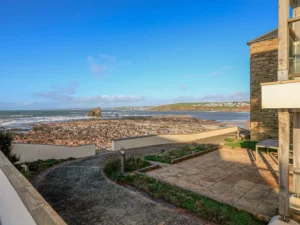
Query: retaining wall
{"type": "Point", "coordinates": [20, 203]}
{"type": "Point", "coordinates": [144, 141]}
{"type": "Point", "coordinates": [33, 152]}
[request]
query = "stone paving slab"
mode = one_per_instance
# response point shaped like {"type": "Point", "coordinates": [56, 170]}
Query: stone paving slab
{"type": "Point", "coordinates": [230, 176]}
{"type": "Point", "coordinates": [82, 195]}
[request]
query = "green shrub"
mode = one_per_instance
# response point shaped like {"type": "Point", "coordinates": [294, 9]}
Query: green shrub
{"type": "Point", "coordinates": [243, 144]}
{"type": "Point", "coordinates": [39, 166]}
{"type": "Point", "coordinates": [6, 138]}
{"type": "Point", "coordinates": [112, 167]}
{"type": "Point", "coordinates": [166, 156]}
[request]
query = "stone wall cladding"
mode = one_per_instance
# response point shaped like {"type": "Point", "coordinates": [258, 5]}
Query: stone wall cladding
{"type": "Point", "coordinates": [264, 46]}
{"type": "Point", "coordinates": [263, 68]}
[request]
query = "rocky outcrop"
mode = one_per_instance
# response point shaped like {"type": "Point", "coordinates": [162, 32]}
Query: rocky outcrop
{"type": "Point", "coordinates": [96, 112]}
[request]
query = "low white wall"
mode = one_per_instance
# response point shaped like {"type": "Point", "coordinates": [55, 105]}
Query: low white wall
{"type": "Point", "coordinates": [33, 152]}
{"type": "Point", "coordinates": [144, 141]}
{"type": "Point", "coordinates": [12, 209]}
{"type": "Point", "coordinates": [20, 203]}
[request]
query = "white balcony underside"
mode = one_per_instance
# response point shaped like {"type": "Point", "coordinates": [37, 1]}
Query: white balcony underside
{"type": "Point", "coordinates": [281, 95]}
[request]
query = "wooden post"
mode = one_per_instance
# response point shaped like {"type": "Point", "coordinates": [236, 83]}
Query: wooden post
{"type": "Point", "coordinates": [283, 36]}
{"type": "Point", "coordinates": [296, 153]}
{"type": "Point", "coordinates": [283, 158]}
{"type": "Point", "coordinates": [283, 115]}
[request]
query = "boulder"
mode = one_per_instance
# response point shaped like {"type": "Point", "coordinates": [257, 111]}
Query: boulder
{"type": "Point", "coordinates": [95, 112]}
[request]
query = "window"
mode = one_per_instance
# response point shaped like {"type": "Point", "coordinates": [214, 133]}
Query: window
{"type": "Point", "coordinates": [294, 49]}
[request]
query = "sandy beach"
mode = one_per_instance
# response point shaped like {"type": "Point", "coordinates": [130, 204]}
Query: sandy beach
{"type": "Point", "coordinates": [102, 132]}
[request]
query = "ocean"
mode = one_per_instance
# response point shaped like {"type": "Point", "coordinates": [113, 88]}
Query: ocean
{"type": "Point", "coordinates": [24, 120]}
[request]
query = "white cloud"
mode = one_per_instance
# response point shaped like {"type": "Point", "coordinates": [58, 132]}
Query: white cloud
{"type": "Point", "coordinates": [97, 69]}
{"type": "Point", "coordinates": [183, 87]}
{"type": "Point", "coordinates": [70, 88]}
{"type": "Point", "coordinates": [108, 99]}
{"type": "Point", "coordinates": [223, 70]}
{"type": "Point", "coordinates": [101, 64]}
{"type": "Point", "coordinates": [235, 96]}
{"type": "Point", "coordinates": [66, 94]}
{"type": "Point", "coordinates": [28, 103]}
{"type": "Point", "coordinates": [60, 92]}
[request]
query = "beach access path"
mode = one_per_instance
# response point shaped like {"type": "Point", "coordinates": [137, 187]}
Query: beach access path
{"type": "Point", "coordinates": [81, 194]}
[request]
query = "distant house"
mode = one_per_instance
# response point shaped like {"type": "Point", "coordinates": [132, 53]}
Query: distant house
{"type": "Point", "coordinates": [263, 68]}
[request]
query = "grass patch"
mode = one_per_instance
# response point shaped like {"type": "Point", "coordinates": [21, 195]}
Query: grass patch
{"type": "Point", "coordinates": [241, 144]}
{"type": "Point", "coordinates": [166, 156]}
{"type": "Point", "coordinates": [194, 203]}
{"type": "Point", "coordinates": [230, 140]}
{"type": "Point", "coordinates": [39, 166]}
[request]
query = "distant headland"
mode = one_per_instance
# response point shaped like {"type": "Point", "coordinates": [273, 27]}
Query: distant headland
{"type": "Point", "coordinates": [201, 106]}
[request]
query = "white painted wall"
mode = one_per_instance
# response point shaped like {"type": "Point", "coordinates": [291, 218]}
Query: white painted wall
{"type": "Point", "coordinates": [12, 209]}
{"type": "Point", "coordinates": [145, 141]}
{"type": "Point", "coordinates": [33, 152]}
{"type": "Point", "coordinates": [281, 95]}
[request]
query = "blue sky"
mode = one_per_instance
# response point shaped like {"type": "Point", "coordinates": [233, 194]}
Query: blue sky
{"type": "Point", "coordinates": [62, 54]}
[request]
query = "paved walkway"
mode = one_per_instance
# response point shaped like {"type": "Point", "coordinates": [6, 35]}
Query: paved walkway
{"type": "Point", "coordinates": [81, 195]}
{"type": "Point", "coordinates": [230, 176]}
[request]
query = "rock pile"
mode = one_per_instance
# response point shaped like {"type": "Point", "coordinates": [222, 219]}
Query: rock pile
{"type": "Point", "coordinates": [95, 112]}
{"type": "Point", "coordinates": [102, 132]}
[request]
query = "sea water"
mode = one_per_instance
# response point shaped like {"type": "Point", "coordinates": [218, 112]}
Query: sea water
{"type": "Point", "coordinates": [24, 120]}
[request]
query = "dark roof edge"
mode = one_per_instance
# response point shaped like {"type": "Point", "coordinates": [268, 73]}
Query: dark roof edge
{"type": "Point", "coordinates": [260, 38]}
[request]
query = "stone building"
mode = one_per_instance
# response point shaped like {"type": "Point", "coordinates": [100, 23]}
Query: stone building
{"type": "Point", "coordinates": [263, 68]}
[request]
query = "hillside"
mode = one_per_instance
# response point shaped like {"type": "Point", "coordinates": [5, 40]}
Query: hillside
{"type": "Point", "coordinates": [205, 106]}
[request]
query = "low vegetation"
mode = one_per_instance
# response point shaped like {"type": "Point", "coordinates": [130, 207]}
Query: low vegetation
{"type": "Point", "coordinates": [39, 166]}
{"type": "Point", "coordinates": [240, 143]}
{"type": "Point", "coordinates": [194, 203]}
{"type": "Point", "coordinates": [6, 138]}
{"type": "Point", "coordinates": [230, 140]}
{"type": "Point", "coordinates": [112, 166]}
{"type": "Point", "coordinates": [166, 156]}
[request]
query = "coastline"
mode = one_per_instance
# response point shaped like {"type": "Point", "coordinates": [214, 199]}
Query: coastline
{"type": "Point", "coordinates": [199, 110]}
